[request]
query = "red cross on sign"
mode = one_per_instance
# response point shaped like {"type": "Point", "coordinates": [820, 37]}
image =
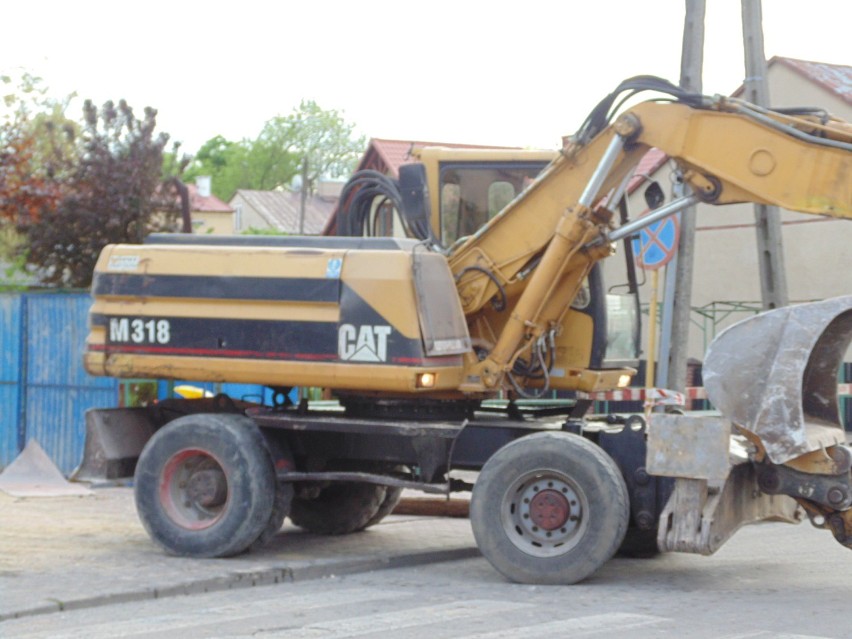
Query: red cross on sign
{"type": "Point", "coordinates": [657, 243]}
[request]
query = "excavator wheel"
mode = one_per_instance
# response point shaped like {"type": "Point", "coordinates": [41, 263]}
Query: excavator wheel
{"type": "Point", "coordinates": [549, 508]}
{"type": "Point", "coordinates": [205, 485]}
{"type": "Point", "coordinates": [339, 509]}
{"type": "Point", "coordinates": [282, 459]}
{"type": "Point", "coordinates": [392, 496]}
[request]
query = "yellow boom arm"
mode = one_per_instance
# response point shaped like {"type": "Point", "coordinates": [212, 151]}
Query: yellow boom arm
{"type": "Point", "coordinates": [549, 237]}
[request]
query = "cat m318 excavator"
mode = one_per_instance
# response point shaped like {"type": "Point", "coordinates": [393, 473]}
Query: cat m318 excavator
{"type": "Point", "coordinates": [418, 338]}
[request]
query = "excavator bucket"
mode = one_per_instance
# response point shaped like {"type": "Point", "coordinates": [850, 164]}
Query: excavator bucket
{"type": "Point", "coordinates": [775, 375]}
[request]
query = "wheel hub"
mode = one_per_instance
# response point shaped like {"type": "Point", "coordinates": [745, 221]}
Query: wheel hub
{"type": "Point", "coordinates": [194, 489]}
{"type": "Point", "coordinates": [549, 509]}
{"type": "Point", "coordinates": [207, 488]}
{"type": "Point", "coordinates": [544, 513]}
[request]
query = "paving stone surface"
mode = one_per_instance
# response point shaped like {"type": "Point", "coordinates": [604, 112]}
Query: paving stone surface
{"type": "Point", "coordinates": [79, 551]}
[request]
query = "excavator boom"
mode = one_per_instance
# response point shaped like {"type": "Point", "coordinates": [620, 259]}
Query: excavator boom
{"type": "Point", "coordinates": [550, 236]}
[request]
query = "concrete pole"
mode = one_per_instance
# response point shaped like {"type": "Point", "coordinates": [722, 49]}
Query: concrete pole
{"type": "Point", "coordinates": [304, 196]}
{"type": "Point", "coordinates": [692, 58]}
{"type": "Point", "coordinates": [770, 248]}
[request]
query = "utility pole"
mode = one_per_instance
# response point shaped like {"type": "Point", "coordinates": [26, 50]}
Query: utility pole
{"type": "Point", "coordinates": [304, 195]}
{"type": "Point", "coordinates": [770, 249]}
{"type": "Point", "coordinates": [692, 58]}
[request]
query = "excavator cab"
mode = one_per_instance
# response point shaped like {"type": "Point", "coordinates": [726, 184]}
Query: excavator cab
{"type": "Point", "coordinates": [448, 195]}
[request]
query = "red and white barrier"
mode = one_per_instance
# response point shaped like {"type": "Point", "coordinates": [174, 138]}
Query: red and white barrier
{"type": "Point", "coordinates": [665, 397]}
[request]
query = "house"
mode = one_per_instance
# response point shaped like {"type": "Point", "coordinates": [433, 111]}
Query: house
{"type": "Point", "coordinates": [817, 250]}
{"type": "Point", "coordinates": [208, 213]}
{"type": "Point", "coordinates": [280, 210]}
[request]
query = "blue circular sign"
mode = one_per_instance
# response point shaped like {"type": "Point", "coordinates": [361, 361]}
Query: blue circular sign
{"type": "Point", "coordinates": [656, 244]}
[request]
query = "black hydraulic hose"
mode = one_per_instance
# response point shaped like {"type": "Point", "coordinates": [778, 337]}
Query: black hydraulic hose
{"type": "Point", "coordinates": [602, 114]}
{"type": "Point", "coordinates": [358, 197]}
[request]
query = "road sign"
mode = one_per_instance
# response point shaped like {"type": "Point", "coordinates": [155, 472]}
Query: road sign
{"type": "Point", "coordinates": [656, 244]}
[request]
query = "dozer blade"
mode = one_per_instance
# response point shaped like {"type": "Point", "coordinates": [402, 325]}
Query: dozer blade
{"type": "Point", "coordinates": [775, 375]}
{"type": "Point", "coordinates": [115, 438]}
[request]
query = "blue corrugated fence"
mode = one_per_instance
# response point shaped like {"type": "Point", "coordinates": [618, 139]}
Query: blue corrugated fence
{"type": "Point", "coordinates": [44, 391]}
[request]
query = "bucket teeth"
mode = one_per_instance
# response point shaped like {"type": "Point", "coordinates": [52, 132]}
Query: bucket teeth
{"type": "Point", "coordinates": [775, 375]}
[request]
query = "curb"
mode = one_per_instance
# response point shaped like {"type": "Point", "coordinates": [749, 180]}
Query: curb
{"type": "Point", "coordinates": [250, 579]}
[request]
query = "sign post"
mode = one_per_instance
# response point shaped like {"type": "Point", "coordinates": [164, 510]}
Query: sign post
{"type": "Point", "coordinates": [654, 247]}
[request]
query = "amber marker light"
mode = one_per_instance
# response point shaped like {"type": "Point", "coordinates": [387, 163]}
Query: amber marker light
{"type": "Point", "coordinates": [624, 381]}
{"type": "Point", "coordinates": [426, 380]}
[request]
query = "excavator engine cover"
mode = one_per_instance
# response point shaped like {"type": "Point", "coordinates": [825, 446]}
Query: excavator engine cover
{"type": "Point", "coordinates": [349, 313]}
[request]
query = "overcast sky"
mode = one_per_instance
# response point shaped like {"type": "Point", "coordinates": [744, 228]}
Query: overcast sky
{"type": "Point", "coordinates": [476, 71]}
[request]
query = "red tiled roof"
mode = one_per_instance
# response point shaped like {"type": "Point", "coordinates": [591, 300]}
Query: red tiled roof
{"type": "Point", "coordinates": [209, 204]}
{"type": "Point", "coordinates": [649, 163]}
{"type": "Point", "coordinates": [834, 78]}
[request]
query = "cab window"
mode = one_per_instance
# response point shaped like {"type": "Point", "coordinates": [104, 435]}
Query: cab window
{"type": "Point", "coordinates": [472, 194]}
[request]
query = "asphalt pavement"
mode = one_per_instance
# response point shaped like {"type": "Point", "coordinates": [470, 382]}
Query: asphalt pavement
{"type": "Point", "coordinates": [77, 551]}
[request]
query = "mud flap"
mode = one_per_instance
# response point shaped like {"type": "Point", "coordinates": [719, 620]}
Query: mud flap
{"type": "Point", "coordinates": [775, 375]}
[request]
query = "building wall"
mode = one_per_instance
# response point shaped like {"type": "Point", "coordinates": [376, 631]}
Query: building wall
{"type": "Point", "coordinates": [248, 216]}
{"type": "Point", "coordinates": [215, 223]}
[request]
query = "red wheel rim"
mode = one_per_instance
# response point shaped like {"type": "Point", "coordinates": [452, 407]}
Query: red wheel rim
{"type": "Point", "coordinates": [194, 489]}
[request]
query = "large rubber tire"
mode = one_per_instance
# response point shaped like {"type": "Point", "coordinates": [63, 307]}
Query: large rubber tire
{"type": "Point", "coordinates": [392, 495]}
{"type": "Point", "coordinates": [549, 508]}
{"type": "Point", "coordinates": [282, 459]}
{"type": "Point", "coordinates": [339, 509]}
{"type": "Point", "coordinates": [205, 485]}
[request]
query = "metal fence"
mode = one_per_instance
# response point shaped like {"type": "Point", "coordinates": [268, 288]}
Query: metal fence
{"type": "Point", "coordinates": [44, 391]}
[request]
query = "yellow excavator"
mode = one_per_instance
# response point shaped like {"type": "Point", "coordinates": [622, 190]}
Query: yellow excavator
{"type": "Point", "coordinates": [436, 347]}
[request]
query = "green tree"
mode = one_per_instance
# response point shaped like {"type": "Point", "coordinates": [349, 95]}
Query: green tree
{"type": "Point", "coordinates": [275, 157]}
{"type": "Point", "coordinates": [321, 137]}
{"type": "Point", "coordinates": [228, 165]}
{"type": "Point", "coordinates": [109, 195]}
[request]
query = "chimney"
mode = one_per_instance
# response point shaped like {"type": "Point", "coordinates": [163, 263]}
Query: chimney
{"type": "Point", "coordinates": [202, 183]}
